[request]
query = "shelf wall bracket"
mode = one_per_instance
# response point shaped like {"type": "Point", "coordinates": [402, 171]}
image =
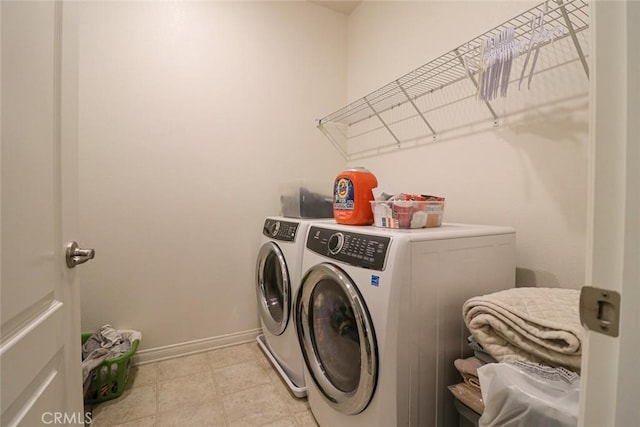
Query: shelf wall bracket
{"type": "Point", "coordinates": [475, 83]}
{"type": "Point", "coordinates": [383, 122]}
{"type": "Point", "coordinates": [572, 33]}
{"type": "Point", "coordinates": [333, 140]}
{"type": "Point", "coordinates": [413, 104]}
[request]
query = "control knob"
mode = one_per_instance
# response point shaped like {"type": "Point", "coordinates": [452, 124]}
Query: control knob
{"type": "Point", "coordinates": [335, 243]}
{"type": "Point", "coordinates": [273, 229]}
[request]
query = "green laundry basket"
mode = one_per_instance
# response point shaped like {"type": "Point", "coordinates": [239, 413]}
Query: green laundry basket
{"type": "Point", "coordinates": [110, 377]}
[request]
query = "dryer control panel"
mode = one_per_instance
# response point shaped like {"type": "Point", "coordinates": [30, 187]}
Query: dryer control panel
{"type": "Point", "coordinates": [280, 230]}
{"type": "Point", "coordinates": [361, 250]}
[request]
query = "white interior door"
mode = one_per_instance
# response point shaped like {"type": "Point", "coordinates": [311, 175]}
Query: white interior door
{"type": "Point", "coordinates": [40, 332]}
{"type": "Point", "coordinates": [610, 373]}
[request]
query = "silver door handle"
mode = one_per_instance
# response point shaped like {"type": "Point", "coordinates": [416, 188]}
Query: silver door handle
{"type": "Point", "coordinates": [76, 255]}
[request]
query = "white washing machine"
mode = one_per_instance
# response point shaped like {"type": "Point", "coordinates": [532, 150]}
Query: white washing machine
{"type": "Point", "coordinates": [379, 318]}
{"type": "Point", "coordinates": [278, 273]}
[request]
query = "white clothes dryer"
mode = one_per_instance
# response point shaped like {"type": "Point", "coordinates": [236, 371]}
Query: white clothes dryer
{"type": "Point", "coordinates": [277, 278]}
{"type": "Point", "coordinates": [379, 318]}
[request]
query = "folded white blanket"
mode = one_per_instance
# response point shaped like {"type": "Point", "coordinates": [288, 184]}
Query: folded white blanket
{"type": "Point", "coordinates": [540, 325]}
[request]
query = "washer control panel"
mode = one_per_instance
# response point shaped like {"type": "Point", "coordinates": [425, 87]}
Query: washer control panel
{"type": "Point", "coordinates": [361, 250]}
{"type": "Point", "coordinates": [280, 230]}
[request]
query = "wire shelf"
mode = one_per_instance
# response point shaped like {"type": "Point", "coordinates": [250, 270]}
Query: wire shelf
{"type": "Point", "coordinates": [403, 94]}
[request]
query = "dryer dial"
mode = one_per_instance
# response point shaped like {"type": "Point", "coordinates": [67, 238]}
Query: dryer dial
{"type": "Point", "coordinates": [274, 228]}
{"type": "Point", "coordinates": [335, 243]}
{"type": "Point", "coordinates": [271, 228]}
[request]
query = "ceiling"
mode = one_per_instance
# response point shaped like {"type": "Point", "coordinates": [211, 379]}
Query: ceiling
{"type": "Point", "coordinates": [342, 6]}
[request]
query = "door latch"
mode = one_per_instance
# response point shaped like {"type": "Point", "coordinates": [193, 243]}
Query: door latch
{"type": "Point", "coordinates": [600, 310]}
{"type": "Point", "coordinates": [76, 255]}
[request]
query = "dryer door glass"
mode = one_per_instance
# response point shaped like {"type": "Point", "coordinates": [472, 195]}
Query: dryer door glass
{"type": "Point", "coordinates": [337, 338]}
{"type": "Point", "coordinates": [272, 288]}
{"type": "Point", "coordinates": [335, 335]}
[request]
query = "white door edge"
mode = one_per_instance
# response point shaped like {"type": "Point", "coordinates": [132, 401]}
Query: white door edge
{"type": "Point", "coordinates": [610, 377]}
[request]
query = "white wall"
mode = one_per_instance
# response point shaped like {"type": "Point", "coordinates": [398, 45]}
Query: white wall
{"type": "Point", "coordinates": [191, 114]}
{"type": "Point", "coordinates": [530, 172]}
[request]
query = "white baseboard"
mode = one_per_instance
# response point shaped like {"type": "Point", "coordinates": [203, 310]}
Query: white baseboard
{"type": "Point", "coordinates": [192, 347]}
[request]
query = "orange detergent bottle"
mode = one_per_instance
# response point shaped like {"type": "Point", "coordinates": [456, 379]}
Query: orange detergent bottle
{"type": "Point", "coordinates": [352, 194]}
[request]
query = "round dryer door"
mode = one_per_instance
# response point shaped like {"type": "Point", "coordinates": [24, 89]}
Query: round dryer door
{"type": "Point", "coordinates": [273, 288]}
{"type": "Point", "coordinates": [337, 338]}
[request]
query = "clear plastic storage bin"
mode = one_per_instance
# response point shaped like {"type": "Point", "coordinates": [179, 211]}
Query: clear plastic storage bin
{"type": "Point", "coordinates": [306, 199]}
{"type": "Point", "coordinates": [407, 213]}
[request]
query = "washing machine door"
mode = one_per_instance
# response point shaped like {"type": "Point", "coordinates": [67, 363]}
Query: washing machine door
{"type": "Point", "coordinates": [337, 338]}
{"type": "Point", "coordinates": [273, 288]}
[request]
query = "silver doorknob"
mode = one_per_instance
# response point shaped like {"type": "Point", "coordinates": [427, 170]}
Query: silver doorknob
{"type": "Point", "coordinates": [76, 255]}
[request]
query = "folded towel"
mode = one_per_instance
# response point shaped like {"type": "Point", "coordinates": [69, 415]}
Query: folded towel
{"type": "Point", "coordinates": [484, 356]}
{"type": "Point", "coordinates": [469, 365]}
{"type": "Point", "coordinates": [470, 396]}
{"type": "Point", "coordinates": [478, 351]}
{"type": "Point", "coordinates": [540, 325]}
{"type": "Point", "coordinates": [468, 368]}
{"type": "Point", "coordinates": [472, 381]}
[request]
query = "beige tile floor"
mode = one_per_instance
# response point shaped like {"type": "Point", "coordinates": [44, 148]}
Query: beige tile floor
{"type": "Point", "coordinates": [228, 387]}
